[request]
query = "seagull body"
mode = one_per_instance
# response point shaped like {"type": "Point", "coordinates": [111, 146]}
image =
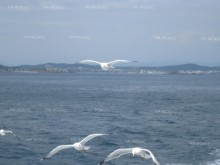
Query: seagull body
{"type": "Point", "coordinates": [4, 132]}
{"type": "Point", "coordinates": [134, 151]}
{"type": "Point", "coordinates": [105, 65]}
{"type": "Point", "coordinates": [79, 146]}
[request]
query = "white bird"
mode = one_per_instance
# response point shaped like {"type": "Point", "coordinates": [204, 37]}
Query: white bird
{"type": "Point", "coordinates": [80, 146]}
{"type": "Point", "coordinates": [105, 65]}
{"type": "Point", "coordinates": [4, 132]}
{"type": "Point", "coordinates": [134, 151]}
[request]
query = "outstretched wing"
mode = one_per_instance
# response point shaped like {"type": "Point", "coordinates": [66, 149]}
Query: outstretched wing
{"type": "Point", "coordinates": [145, 155]}
{"type": "Point", "coordinates": [90, 137]}
{"type": "Point", "coordinates": [57, 149]}
{"type": "Point", "coordinates": [116, 61]}
{"type": "Point", "coordinates": [90, 61]}
{"type": "Point", "coordinates": [118, 153]}
{"type": "Point", "coordinates": [10, 132]}
{"type": "Point", "coordinates": [7, 131]}
{"type": "Point", "coordinates": [152, 156]}
{"type": "Point", "coordinates": [18, 138]}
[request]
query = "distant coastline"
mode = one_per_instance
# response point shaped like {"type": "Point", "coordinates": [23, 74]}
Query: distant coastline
{"type": "Point", "coordinates": [73, 68]}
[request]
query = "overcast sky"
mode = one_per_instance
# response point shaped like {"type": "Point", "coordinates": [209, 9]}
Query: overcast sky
{"type": "Point", "coordinates": [155, 32]}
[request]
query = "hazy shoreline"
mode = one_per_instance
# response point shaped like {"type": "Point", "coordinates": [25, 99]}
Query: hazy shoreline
{"type": "Point", "coordinates": [75, 68]}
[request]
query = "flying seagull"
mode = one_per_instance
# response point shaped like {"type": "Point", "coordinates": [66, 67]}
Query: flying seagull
{"type": "Point", "coordinates": [80, 146]}
{"type": "Point", "coordinates": [134, 151]}
{"type": "Point", "coordinates": [106, 65]}
{"type": "Point", "coordinates": [4, 132]}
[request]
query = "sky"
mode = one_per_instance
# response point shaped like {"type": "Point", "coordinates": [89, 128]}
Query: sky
{"type": "Point", "coordinates": [154, 32]}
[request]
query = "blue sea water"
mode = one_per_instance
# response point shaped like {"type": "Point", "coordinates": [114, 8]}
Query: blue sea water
{"type": "Point", "coordinates": [177, 117]}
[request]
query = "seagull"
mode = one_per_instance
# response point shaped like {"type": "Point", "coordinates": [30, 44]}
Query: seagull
{"type": "Point", "coordinates": [134, 151]}
{"type": "Point", "coordinates": [106, 65]}
{"type": "Point", "coordinates": [4, 132]}
{"type": "Point", "coordinates": [80, 146]}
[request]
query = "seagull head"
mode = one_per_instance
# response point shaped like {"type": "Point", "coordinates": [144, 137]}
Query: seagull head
{"type": "Point", "coordinates": [133, 152]}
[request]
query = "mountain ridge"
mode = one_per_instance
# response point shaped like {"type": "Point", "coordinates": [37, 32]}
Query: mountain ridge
{"type": "Point", "coordinates": [77, 67]}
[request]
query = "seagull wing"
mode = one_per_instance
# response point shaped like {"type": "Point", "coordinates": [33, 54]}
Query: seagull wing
{"type": "Point", "coordinates": [90, 61]}
{"type": "Point", "coordinates": [90, 137]}
{"type": "Point", "coordinates": [116, 61]}
{"type": "Point", "coordinates": [17, 138]}
{"type": "Point", "coordinates": [57, 149]}
{"type": "Point", "coordinates": [10, 132]}
{"type": "Point", "coordinates": [152, 156]}
{"type": "Point", "coordinates": [7, 131]}
{"type": "Point", "coordinates": [145, 155]}
{"type": "Point", "coordinates": [118, 153]}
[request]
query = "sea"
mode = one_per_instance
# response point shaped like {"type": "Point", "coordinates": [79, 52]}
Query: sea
{"type": "Point", "coordinates": [177, 117]}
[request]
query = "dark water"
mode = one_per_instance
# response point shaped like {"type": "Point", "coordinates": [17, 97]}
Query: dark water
{"type": "Point", "coordinates": [176, 117]}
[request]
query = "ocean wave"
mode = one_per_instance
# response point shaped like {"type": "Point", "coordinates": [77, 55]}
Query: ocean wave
{"type": "Point", "coordinates": [217, 161]}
